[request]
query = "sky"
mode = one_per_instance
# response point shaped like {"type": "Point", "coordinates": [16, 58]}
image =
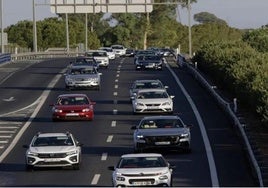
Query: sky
{"type": "Point", "coordinates": [242, 14]}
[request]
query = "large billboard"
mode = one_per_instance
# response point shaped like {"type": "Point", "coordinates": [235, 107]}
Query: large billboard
{"type": "Point", "coordinates": [105, 6]}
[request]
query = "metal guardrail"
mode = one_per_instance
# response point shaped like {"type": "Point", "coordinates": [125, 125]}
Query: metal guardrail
{"type": "Point", "coordinates": [43, 55]}
{"type": "Point", "coordinates": [5, 58]}
{"type": "Point", "coordinates": [228, 109]}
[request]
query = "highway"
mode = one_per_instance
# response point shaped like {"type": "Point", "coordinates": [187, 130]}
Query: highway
{"type": "Point", "coordinates": [217, 158]}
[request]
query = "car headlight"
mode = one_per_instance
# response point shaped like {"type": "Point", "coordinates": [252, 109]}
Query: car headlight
{"type": "Point", "coordinates": [86, 110]}
{"type": "Point", "coordinates": [139, 136]}
{"type": "Point", "coordinates": [32, 153]}
{"type": "Point", "coordinates": [57, 110]}
{"type": "Point", "coordinates": [164, 177]}
{"type": "Point", "coordinates": [185, 135]}
{"type": "Point", "coordinates": [120, 178]}
{"type": "Point", "coordinates": [166, 103]}
{"type": "Point", "coordinates": [68, 79]}
{"type": "Point", "coordinates": [139, 104]}
{"type": "Point", "coordinates": [72, 152]}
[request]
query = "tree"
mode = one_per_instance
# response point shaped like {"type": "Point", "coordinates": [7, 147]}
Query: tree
{"type": "Point", "coordinates": [205, 17]}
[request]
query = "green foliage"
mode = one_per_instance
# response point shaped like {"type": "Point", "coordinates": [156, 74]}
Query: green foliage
{"type": "Point", "coordinates": [257, 38]}
{"type": "Point", "coordinates": [239, 68]}
{"type": "Point", "coordinates": [205, 17]}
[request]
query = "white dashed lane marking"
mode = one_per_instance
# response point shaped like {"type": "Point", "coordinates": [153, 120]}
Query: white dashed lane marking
{"type": "Point", "coordinates": [104, 156]}
{"type": "Point", "coordinates": [95, 179]}
{"type": "Point", "coordinates": [110, 138]}
{"type": "Point", "coordinates": [113, 124]}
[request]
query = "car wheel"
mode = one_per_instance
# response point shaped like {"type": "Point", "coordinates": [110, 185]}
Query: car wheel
{"type": "Point", "coordinates": [76, 166]}
{"type": "Point", "coordinates": [29, 167]}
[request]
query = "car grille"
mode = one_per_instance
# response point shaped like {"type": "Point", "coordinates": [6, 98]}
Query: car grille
{"type": "Point", "coordinates": [153, 139]}
{"type": "Point", "coordinates": [58, 163]}
{"type": "Point", "coordinates": [51, 155]}
{"type": "Point", "coordinates": [152, 104]}
{"type": "Point", "coordinates": [72, 111]}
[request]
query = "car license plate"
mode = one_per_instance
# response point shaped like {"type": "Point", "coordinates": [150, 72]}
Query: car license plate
{"type": "Point", "coordinates": [140, 183]}
{"type": "Point", "coordinates": [52, 160]}
{"type": "Point", "coordinates": [162, 143]}
{"type": "Point", "coordinates": [72, 114]}
{"type": "Point", "coordinates": [152, 107]}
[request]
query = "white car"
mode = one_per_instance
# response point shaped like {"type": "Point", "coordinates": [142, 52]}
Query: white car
{"type": "Point", "coordinates": [53, 150]}
{"type": "Point", "coordinates": [100, 56]}
{"type": "Point", "coordinates": [145, 84]}
{"type": "Point", "coordinates": [152, 101]}
{"type": "Point", "coordinates": [119, 50]}
{"type": "Point", "coordinates": [110, 52]}
{"type": "Point", "coordinates": [144, 169]}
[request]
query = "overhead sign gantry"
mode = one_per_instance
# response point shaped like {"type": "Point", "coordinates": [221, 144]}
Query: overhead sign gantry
{"type": "Point", "coordinates": [101, 6]}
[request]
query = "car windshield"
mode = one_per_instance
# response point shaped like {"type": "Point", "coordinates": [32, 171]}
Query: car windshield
{"type": "Point", "coordinates": [152, 95]}
{"type": "Point", "coordinates": [99, 54]}
{"type": "Point", "coordinates": [83, 71]}
{"type": "Point", "coordinates": [72, 101]}
{"type": "Point", "coordinates": [141, 162]}
{"type": "Point", "coordinates": [161, 123]}
{"type": "Point", "coordinates": [53, 141]}
{"type": "Point", "coordinates": [148, 85]}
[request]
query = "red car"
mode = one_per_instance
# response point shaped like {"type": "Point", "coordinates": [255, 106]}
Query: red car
{"type": "Point", "coordinates": [73, 107]}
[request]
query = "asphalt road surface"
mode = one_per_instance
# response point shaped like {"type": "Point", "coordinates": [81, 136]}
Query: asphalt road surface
{"type": "Point", "coordinates": [27, 90]}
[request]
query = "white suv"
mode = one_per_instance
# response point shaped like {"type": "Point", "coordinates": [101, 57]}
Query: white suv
{"type": "Point", "coordinates": [144, 169]}
{"type": "Point", "coordinates": [53, 150]}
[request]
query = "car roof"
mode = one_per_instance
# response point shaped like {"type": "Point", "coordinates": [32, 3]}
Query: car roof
{"type": "Point", "coordinates": [73, 95]}
{"type": "Point", "coordinates": [151, 90]}
{"type": "Point", "coordinates": [161, 117]}
{"type": "Point", "coordinates": [143, 81]}
{"type": "Point", "coordinates": [51, 134]}
{"type": "Point", "coordinates": [142, 155]}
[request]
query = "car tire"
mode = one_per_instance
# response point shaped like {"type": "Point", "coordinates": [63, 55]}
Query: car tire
{"type": "Point", "coordinates": [76, 166]}
{"type": "Point", "coordinates": [29, 167]}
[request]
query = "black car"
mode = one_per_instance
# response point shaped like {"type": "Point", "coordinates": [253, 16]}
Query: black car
{"type": "Point", "coordinates": [149, 62]}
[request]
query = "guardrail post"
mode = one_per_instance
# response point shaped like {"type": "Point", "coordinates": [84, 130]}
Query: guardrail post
{"type": "Point", "coordinates": [195, 65]}
{"type": "Point", "coordinates": [235, 105]}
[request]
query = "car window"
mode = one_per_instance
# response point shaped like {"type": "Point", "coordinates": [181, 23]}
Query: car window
{"type": "Point", "coordinates": [53, 141]}
{"type": "Point", "coordinates": [72, 101]}
{"type": "Point", "coordinates": [152, 95]}
{"type": "Point", "coordinates": [161, 123]}
{"type": "Point", "coordinates": [141, 162]}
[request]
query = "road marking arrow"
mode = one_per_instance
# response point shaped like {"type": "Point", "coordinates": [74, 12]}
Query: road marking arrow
{"type": "Point", "coordinates": [10, 99]}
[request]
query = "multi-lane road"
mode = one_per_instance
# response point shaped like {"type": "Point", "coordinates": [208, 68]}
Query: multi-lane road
{"type": "Point", "coordinates": [27, 90]}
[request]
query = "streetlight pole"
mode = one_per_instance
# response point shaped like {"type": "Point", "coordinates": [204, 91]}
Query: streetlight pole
{"type": "Point", "coordinates": [34, 29]}
{"type": "Point", "coordinates": [67, 32]}
{"type": "Point", "coordinates": [2, 29]}
{"type": "Point", "coordinates": [189, 28]}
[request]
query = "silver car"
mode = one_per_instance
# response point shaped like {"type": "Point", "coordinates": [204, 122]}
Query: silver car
{"type": "Point", "coordinates": [53, 150]}
{"type": "Point", "coordinates": [152, 101]}
{"type": "Point", "coordinates": [168, 132]}
{"type": "Point", "coordinates": [144, 169]}
{"type": "Point", "coordinates": [145, 84]}
{"type": "Point", "coordinates": [82, 77]}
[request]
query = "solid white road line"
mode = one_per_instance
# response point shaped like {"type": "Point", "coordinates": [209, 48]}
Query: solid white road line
{"type": "Point", "coordinates": [40, 101]}
{"type": "Point", "coordinates": [211, 162]}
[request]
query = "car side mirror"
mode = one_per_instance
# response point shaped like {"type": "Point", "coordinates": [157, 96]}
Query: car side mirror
{"type": "Point", "coordinates": [133, 127]}
{"type": "Point", "coordinates": [111, 168]}
{"type": "Point", "coordinates": [172, 96]}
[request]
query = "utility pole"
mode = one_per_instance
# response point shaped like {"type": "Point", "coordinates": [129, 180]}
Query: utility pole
{"type": "Point", "coordinates": [67, 32]}
{"type": "Point", "coordinates": [34, 29]}
{"type": "Point", "coordinates": [2, 29]}
{"type": "Point", "coordinates": [189, 28]}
